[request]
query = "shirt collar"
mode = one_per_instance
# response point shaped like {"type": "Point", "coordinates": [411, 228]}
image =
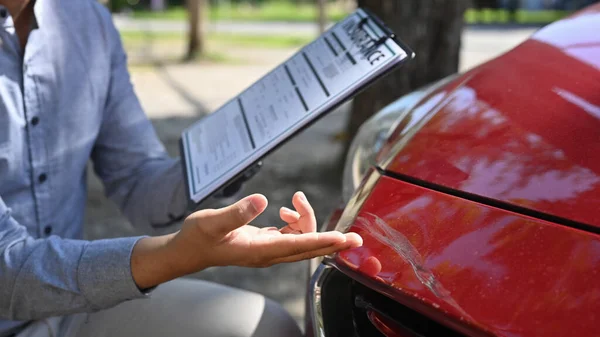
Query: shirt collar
{"type": "Point", "coordinates": [7, 21]}
{"type": "Point", "coordinates": [5, 18]}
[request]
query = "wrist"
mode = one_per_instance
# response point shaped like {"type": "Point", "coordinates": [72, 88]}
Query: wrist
{"type": "Point", "coordinates": [184, 256]}
{"type": "Point", "coordinates": [151, 262]}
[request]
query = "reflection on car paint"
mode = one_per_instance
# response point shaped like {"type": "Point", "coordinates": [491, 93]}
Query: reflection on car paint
{"type": "Point", "coordinates": [387, 327]}
{"type": "Point", "coordinates": [520, 129]}
{"type": "Point", "coordinates": [436, 98]}
{"type": "Point", "coordinates": [585, 105]}
{"type": "Point", "coordinates": [574, 37]}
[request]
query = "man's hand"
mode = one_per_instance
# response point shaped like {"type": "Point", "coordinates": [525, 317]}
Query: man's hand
{"type": "Point", "coordinates": [223, 237]}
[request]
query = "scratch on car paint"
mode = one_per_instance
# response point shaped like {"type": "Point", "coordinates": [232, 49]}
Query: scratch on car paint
{"type": "Point", "coordinates": [384, 233]}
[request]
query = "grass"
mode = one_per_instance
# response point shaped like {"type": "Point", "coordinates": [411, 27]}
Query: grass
{"type": "Point", "coordinates": [135, 36]}
{"type": "Point", "coordinates": [173, 13]}
{"type": "Point", "coordinates": [522, 16]}
{"type": "Point", "coordinates": [288, 12]}
{"type": "Point", "coordinates": [259, 41]}
{"type": "Point", "coordinates": [271, 11]}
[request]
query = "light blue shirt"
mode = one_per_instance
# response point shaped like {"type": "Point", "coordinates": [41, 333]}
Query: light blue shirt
{"type": "Point", "coordinates": [69, 99]}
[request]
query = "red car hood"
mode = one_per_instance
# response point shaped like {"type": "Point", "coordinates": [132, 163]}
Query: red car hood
{"type": "Point", "coordinates": [523, 129]}
{"type": "Point", "coordinates": [477, 269]}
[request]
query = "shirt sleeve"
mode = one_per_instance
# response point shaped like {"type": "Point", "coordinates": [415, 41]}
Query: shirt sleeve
{"type": "Point", "coordinates": [137, 173]}
{"type": "Point", "coordinates": [41, 278]}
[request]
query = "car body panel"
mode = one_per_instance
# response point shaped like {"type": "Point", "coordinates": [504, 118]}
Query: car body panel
{"type": "Point", "coordinates": [522, 129]}
{"type": "Point", "coordinates": [481, 269]}
{"type": "Point", "coordinates": [484, 211]}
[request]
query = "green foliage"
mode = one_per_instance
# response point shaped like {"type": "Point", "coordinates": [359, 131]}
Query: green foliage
{"type": "Point", "coordinates": [306, 11]}
{"type": "Point", "coordinates": [118, 5]}
{"type": "Point", "coordinates": [259, 41]}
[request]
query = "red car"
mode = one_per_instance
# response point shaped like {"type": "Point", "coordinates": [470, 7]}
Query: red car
{"type": "Point", "coordinates": [478, 199]}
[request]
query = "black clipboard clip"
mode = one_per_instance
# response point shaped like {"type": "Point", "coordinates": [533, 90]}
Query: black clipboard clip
{"type": "Point", "coordinates": [389, 34]}
{"type": "Point", "coordinates": [236, 185]}
{"type": "Point", "coordinates": [381, 40]}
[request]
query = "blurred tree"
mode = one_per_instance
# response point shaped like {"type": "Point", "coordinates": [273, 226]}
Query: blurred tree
{"type": "Point", "coordinates": [322, 15]}
{"type": "Point", "coordinates": [432, 28]}
{"type": "Point", "coordinates": [195, 28]}
{"type": "Point", "coordinates": [157, 5]}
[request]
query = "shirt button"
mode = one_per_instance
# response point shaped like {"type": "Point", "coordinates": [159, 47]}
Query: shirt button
{"type": "Point", "coordinates": [48, 230]}
{"type": "Point", "coordinates": [42, 177]}
{"type": "Point", "coordinates": [35, 120]}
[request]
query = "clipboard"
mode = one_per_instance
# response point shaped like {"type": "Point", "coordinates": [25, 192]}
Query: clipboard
{"type": "Point", "coordinates": [230, 143]}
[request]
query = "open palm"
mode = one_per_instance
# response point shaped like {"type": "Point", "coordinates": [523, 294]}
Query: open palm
{"type": "Point", "coordinates": [223, 237]}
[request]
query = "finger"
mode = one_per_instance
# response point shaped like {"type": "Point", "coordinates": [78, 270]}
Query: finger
{"type": "Point", "coordinates": [275, 247]}
{"type": "Point", "coordinates": [310, 255]}
{"type": "Point", "coordinates": [270, 248]}
{"type": "Point", "coordinates": [302, 205]}
{"type": "Point", "coordinates": [307, 222]}
{"type": "Point", "coordinates": [291, 218]}
{"type": "Point", "coordinates": [349, 244]}
{"type": "Point", "coordinates": [224, 220]}
{"type": "Point", "coordinates": [288, 215]}
{"type": "Point", "coordinates": [371, 266]}
{"type": "Point", "coordinates": [354, 239]}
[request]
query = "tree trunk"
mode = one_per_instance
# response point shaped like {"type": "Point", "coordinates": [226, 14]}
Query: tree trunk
{"type": "Point", "coordinates": [350, 5]}
{"type": "Point", "coordinates": [196, 28]}
{"type": "Point", "coordinates": [322, 15]}
{"type": "Point", "coordinates": [432, 28]}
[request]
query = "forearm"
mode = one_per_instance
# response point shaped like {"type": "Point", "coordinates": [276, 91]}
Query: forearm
{"type": "Point", "coordinates": [52, 277]}
{"type": "Point", "coordinates": [152, 195]}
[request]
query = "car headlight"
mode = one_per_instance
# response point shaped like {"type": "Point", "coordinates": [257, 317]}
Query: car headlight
{"type": "Point", "coordinates": [373, 134]}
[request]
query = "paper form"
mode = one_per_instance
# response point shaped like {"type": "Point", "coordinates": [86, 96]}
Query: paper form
{"type": "Point", "coordinates": [319, 77]}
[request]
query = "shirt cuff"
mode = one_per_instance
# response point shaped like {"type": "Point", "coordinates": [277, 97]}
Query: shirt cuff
{"type": "Point", "coordinates": [104, 272]}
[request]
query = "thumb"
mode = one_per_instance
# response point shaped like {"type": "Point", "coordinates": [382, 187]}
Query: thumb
{"type": "Point", "coordinates": [220, 222]}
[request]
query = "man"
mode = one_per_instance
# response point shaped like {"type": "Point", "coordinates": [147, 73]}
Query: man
{"type": "Point", "coordinates": [65, 98]}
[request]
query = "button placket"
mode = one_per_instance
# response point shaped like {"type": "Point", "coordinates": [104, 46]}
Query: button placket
{"type": "Point", "coordinates": [39, 164]}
